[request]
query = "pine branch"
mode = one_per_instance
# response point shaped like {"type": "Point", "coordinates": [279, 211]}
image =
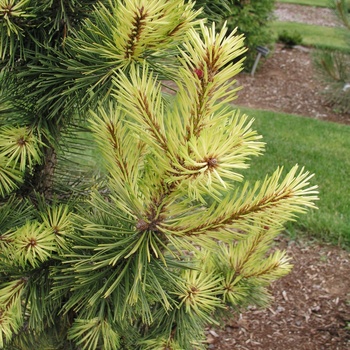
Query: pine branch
{"type": "Point", "coordinates": [341, 9]}
{"type": "Point", "coordinates": [12, 14]}
{"type": "Point", "coordinates": [207, 73]}
{"type": "Point", "coordinates": [267, 204]}
{"type": "Point", "coordinates": [141, 99]}
{"type": "Point", "coordinates": [10, 177]}
{"type": "Point", "coordinates": [10, 323]}
{"type": "Point", "coordinates": [21, 146]}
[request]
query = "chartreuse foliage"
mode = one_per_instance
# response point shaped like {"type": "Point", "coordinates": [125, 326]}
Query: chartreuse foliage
{"type": "Point", "coordinates": [145, 251]}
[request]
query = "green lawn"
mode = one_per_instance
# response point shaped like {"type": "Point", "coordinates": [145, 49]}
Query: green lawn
{"type": "Point", "coordinates": [318, 3]}
{"type": "Point", "coordinates": [324, 149]}
{"type": "Point", "coordinates": [316, 36]}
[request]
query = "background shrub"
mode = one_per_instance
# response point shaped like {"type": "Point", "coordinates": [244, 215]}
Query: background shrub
{"type": "Point", "coordinates": [333, 65]}
{"type": "Point", "coordinates": [290, 39]}
{"type": "Point", "coordinates": [251, 17]}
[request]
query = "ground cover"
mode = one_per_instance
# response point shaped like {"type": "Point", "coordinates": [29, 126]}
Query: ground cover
{"type": "Point", "coordinates": [324, 149]}
{"type": "Point", "coordinates": [333, 38]}
{"type": "Point", "coordinates": [318, 16]}
{"type": "Point", "coordinates": [310, 310]}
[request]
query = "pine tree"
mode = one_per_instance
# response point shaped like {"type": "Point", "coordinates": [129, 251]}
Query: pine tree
{"type": "Point", "coordinates": [125, 220]}
{"type": "Point", "coordinates": [333, 65]}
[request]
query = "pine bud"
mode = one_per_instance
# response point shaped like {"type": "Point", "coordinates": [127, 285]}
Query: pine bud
{"type": "Point", "coordinates": [199, 73]}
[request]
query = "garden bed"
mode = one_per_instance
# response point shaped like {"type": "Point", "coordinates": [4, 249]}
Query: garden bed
{"type": "Point", "coordinates": [286, 80]}
{"type": "Point", "coordinates": [310, 311]}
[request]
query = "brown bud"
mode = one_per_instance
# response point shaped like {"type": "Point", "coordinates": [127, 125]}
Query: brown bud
{"type": "Point", "coordinates": [142, 225]}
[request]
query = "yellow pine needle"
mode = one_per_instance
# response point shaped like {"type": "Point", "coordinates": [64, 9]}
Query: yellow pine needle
{"type": "Point", "coordinates": [140, 97]}
{"type": "Point", "coordinates": [200, 291]}
{"type": "Point", "coordinates": [267, 270]}
{"type": "Point", "coordinates": [21, 147]}
{"type": "Point", "coordinates": [58, 219]}
{"type": "Point", "coordinates": [33, 244]}
{"type": "Point", "coordinates": [268, 203]}
{"type": "Point", "coordinates": [11, 292]}
{"type": "Point", "coordinates": [89, 333]}
{"type": "Point", "coordinates": [10, 177]}
{"type": "Point", "coordinates": [11, 321]}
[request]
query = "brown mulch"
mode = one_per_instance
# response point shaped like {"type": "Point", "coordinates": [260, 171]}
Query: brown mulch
{"type": "Point", "coordinates": [311, 307]}
{"type": "Point", "coordinates": [287, 82]}
{"type": "Point", "coordinates": [310, 311]}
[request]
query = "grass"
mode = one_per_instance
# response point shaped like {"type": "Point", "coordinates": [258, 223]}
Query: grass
{"type": "Point", "coordinates": [317, 3]}
{"type": "Point", "coordinates": [316, 36]}
{"type": "Point", "coordinates": [324, 149]}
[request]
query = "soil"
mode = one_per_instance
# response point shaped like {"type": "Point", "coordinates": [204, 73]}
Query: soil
{"type": "Point", "coordinates": [310, 311]}
{"type": "Point", "coordinates": [286, 80]}
{"type": "Point", "coordinates": [311, 307]}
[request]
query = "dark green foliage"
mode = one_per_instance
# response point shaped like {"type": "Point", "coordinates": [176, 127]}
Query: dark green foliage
{"type": "Point", "coordinates": [34, 25]}
{"type": "Point", "coordinates": [213, 10]}
{"type": "Point", "coordinates": [333, 69]}
{"type": "Point", "coordinates": [251, 17]}
{"type": "Point", "coordinates": [290, 39]}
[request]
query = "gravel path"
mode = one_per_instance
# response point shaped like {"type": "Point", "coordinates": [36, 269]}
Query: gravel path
{"type": "Point", "coordinates": [306, 14]}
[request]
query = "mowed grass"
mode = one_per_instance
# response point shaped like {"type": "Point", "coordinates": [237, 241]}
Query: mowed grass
{"type": "Point", "coordinates": [323, 148]}
{"type": "Point", "coordinates": [317, 3]}
{"type": "Point", "coordinates": [335, 38]}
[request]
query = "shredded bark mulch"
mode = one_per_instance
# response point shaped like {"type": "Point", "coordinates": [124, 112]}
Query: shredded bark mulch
{"type": "Point", "coordinates": [310, 311]}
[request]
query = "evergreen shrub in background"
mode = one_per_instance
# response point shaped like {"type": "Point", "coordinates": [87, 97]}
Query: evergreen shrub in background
{"type": "Point", "coordinates": [251, 18]}
{"type": "Point", "coordinates": [332, 66]}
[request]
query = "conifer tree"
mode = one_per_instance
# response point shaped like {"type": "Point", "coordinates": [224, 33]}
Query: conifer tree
{"type": "Point", "coordinates": [333, 65]}
{"type": "Point", "coordinates": [125, 220]}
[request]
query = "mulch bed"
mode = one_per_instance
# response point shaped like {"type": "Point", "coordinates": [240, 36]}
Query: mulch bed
{"type": "Point", "coordinates": [310, 311]}
{"type": "Point", "coordinates": [287, 82]}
